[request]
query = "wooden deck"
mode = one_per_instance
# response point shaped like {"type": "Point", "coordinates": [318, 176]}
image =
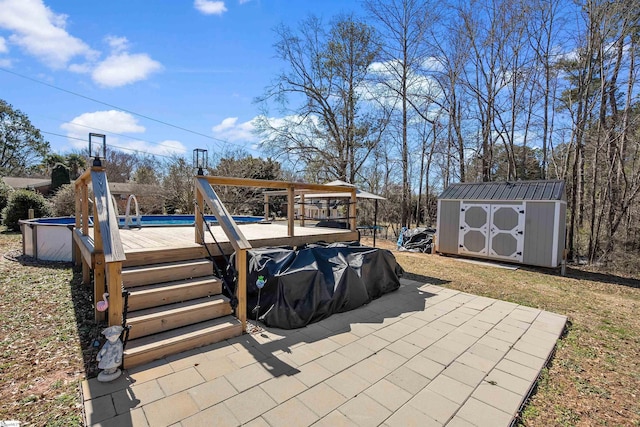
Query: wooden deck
{"type": "Point", "coordinates": [147, 239]}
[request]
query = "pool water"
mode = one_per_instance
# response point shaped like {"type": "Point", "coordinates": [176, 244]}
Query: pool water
{"type": "Point", "coordinates": [156, 220]}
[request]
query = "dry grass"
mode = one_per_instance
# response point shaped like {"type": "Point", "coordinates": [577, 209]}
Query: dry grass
{"type": "Point", "coordinates": [594, 378]}
{"type": "Point", "coordinates": [41, 361]}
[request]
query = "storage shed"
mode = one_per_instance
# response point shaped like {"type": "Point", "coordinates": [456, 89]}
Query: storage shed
{"type": "Point", "coordinates": [522, 222]}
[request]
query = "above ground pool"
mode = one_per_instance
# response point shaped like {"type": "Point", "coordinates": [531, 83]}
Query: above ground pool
{"type": "Point", "coordinates": [50, 239]}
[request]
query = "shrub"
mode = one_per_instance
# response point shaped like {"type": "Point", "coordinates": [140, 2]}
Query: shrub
{"type": "Point", "coordinates": [5, 192]}
{"type": "Point", "coordinates": [18, 208]}
{"type": "Point", "coordinates": [63, 202]}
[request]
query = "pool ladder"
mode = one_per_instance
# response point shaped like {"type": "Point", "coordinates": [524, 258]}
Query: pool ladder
{"type": "Point", "coordinates": [128, 219]}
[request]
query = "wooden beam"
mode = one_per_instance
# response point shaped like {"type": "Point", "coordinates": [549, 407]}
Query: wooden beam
{"type": "Point", "coordinates": [352, 210]}
{"type": "Point", "coordinates": [231, 229]}
{"type": "Point", "coordinates": [304, 210]}
{"type": "Point", "coordinates": [263, 183]}
{"type": "Point", "coordinates": [107, 220]}
{"type": "Point", "coordinates": [266, 206]}
{"type": "Point", "coordinates": [86, 273]}
{"type": "Point", "coordinates": [290, 211]}
{"type": "Point", "coordinates": [84, 192]}
{"type": "Point", "coordinates": [241, 268]}
{"type": "Point", "coordinates": [85, 245]}
{"type": "Point", "coordinates": [114, 285]}
{"type": "Point", "coordinates": [86, 175]}
{"type": "Point", "coordinates": [98, 284]}
{"type": "Point", "coordinates": [199, 219]}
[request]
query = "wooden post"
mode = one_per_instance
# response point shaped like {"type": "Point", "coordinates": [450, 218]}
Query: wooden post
{"type": "Point", "coordinates": [85, 208]}
{"type": "Point", "coordinates": [375, 222]}
{"type": "Point", "coordinates": [352, 210]}
{"type": "Point", "coordinates": [114, 285]}
{"type": "Point", "coordinates": [290, 210]}
{"type": "Point", "coordinates": [304, 209]}
{"type": "Point", "coordinates": [199, 218]}
{"type": "Point", "coordinates": [99, 269]}
{"type": "Point", "coordinates": [98, 284]}
{"type": "Point", "coordinates": [241, 268]}
{"type": "Point", "coordinates": [266, 207]}
{"type": "Point", "coordinates": [86, 272]}
{"type": "Point", "coordinates": [31, 213]}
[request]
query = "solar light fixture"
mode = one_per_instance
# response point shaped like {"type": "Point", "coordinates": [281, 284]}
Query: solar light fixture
{"type": "Point", "coordinates": [200, 160]}
{"type": "Point", "coordinates": [97, 148]}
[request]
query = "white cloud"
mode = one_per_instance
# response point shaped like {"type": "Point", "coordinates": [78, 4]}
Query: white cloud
{"type": "Point", "coordinates": [124, 68]}
{"type": "Point", "coordinates": [41, 32]}
{"type": "Point", "coordinates": [3, 45]}
{"type": "Point", "coordinates": [5, 63]}
{"type": "Point", "coordinates": [117, 122]}
{"type": "Point", "coordinates": [208, 7]}
{"type": "Point", "coordinates": [164, 148]}
{"type": "Point", "coordinates": [243, 1]}
{"type": "Point", "coordinates": [229, 129]}
{"type": "Point", "coordinates": [117, 44]}
{"type": "Point", "coordinates": [120, 68]}
{"type": "Point", "coordinates": [110, 121]}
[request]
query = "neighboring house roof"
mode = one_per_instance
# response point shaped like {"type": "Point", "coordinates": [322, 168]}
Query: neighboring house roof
{"type": "Point", "coordinates": [17, 182]}
{"type": "Point", "coordinates": [519, 190]}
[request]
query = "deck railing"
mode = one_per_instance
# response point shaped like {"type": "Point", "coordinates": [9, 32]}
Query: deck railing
{"type": "Point", "coordinates": [108, 253]}
{"type": "Point", "coordinates": [206, 195]}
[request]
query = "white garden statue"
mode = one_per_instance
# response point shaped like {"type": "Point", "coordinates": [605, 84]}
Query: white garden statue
{"type": "Point", "coordinates": [110, 355]}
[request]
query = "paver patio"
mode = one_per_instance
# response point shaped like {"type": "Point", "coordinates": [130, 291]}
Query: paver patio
{"type": "Point", "coordinates": [421, 356]}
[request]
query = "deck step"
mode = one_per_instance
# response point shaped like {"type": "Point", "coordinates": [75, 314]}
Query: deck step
{"type": "Point", "coordinates": [158, 319]}
{"type": "Point", "coordinates": [147, 349]}
{"type": "Point", "coordinates": [166, 272]}
{"type": "Point", "coordinates": [147, 256]}
{"type": "Point", "coordinates": [171, 292]}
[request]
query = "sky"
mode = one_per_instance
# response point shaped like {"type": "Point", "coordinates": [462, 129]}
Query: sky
{"type": "Point", "coordinates": [121, 67]}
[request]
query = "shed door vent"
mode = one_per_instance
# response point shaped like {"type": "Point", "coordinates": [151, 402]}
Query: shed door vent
{"type": "Point", "coordinates": [495, 231]}
{"type": "Point", "coordinates": [474, 229]}
{"type": "Point", "coordinates": [507, 232]}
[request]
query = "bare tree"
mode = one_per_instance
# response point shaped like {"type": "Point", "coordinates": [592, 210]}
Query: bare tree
{"type": "Point", "coordinates": [404, 25]}
{"type": "Point", "coordinates": [327, 70]}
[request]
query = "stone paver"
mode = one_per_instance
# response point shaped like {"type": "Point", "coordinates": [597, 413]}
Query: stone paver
{"type": "Point", "coordinates": [322, 399]}
{"type": "Point", "coordinates": [421, 356]}
{"type": "Point", "coordinates": [291, 413]}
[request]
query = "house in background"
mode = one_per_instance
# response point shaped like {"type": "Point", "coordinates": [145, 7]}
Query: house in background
{"type": "Point", "coordinates": [39, 185]}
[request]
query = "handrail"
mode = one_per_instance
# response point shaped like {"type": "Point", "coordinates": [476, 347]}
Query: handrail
{"type": "Point", "coordinates": [206, 195]}
{"type": "Point", "coordinates": [108, 251]}
{"type": "Point", "coordinates": [223, 217]}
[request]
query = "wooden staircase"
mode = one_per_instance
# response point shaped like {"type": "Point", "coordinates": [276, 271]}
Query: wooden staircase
{"type": "Point", "coordinates": [173, 306]}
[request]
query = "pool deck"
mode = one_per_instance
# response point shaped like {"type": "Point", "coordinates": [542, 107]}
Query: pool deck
{"type": "Point", "coordinates": [421, 356]}
{"type": "Point", "coordinates": [259, 234]}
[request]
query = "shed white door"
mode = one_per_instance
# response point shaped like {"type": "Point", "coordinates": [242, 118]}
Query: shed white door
{"type": "Point", "coordinates": [495, 231]}
{"type": "Point", "coordinates": [474, 229]}
{"type": "Point", "coordinates": [506, 233]}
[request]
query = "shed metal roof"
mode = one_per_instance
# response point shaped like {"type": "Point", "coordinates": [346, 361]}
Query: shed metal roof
{"type": "Point", "coordinates": [519, 190]}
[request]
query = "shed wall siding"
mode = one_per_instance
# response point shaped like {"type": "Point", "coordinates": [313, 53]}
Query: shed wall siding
{"type": "Point", "coordinates": [538, 233]}
{"type": "Point", "coordinates": [562, 229]}
{"type": "Point", "coordinates": [449, 219]}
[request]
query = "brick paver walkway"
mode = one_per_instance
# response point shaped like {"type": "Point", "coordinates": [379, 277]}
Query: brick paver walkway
{"type": "Point", "coordinates": [421, 356]}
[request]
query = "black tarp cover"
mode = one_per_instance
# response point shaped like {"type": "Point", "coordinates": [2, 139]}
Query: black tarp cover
{"type": "Point", "coordinates": [310, 284]}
